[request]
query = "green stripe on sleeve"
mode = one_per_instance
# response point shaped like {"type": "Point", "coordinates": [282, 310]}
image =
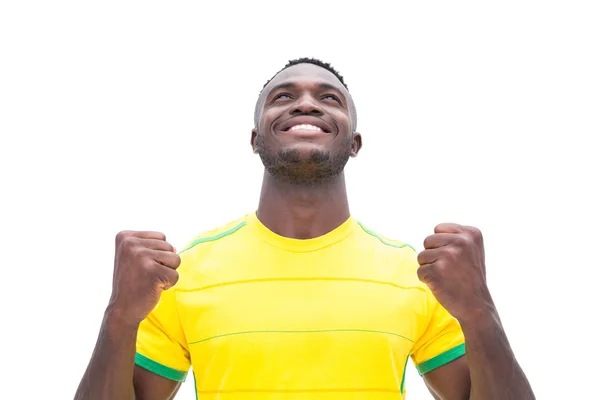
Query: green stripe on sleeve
{"type": "Point", "coordinates": [441, 359]}
{"type": "Point", "coordinates": [159, 369]}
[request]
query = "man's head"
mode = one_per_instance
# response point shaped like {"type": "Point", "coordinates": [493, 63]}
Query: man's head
{"type": "Point", "coordinates": [305, 124]}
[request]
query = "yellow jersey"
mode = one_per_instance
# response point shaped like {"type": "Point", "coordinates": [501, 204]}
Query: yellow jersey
{"type": "Point", "coordinates": [260, 316]}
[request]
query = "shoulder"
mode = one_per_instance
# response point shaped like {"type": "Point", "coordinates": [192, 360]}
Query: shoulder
{"type": "Point", "coordinates": [379, 239]}
{"type": "Point", "coordinates": [211, 247]}
{"type": "Point", "coordinates": [397, 254]}
{"type": "Point", "coordinates": [219, 235]}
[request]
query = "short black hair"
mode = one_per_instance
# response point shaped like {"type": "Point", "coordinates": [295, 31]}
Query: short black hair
{"type": "Point", "coordinates": [319, 63]}
{"type": "Point", "coordinates": [314, 61]}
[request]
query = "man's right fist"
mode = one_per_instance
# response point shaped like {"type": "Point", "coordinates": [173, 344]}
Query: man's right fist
{"type": "Point", "coordinates": [145, 265]}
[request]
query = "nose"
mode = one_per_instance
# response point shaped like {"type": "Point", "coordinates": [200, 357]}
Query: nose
{"type": "Point", "coordinates": [306, 105]}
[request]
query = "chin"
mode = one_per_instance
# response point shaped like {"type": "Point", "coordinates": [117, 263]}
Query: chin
{"type": "Point", "coordinates": [306, 148]}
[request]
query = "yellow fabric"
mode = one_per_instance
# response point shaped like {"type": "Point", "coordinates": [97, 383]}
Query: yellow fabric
{"type": "Point", "coordinates": [440, 334]}
{"type": "Point", "coordinates": [260, 316]}
{"type": "Point", "coordinates": [161, 337]}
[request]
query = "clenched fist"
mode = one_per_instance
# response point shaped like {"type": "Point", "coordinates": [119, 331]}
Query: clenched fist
{"type": "Point", "coordinates": [453, 266]}
{"type": "Point", "coordinates": [145, 265]}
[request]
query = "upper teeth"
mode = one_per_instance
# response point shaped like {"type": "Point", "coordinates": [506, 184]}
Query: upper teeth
{"type": "Point", "coordinates": [307, 127]}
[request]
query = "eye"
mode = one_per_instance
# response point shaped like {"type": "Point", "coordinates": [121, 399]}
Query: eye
{"type": "Point", "coordinates": [281, 96]}
{"type": "Point", "coordinates": [333, 97]}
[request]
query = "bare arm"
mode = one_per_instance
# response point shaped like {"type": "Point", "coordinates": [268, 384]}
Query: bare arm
{"type": "Point", "coordinates": [450, 381]}
{"type": "Point", "coordinates": [453, 266]}
{"type": "Point", "coordinates": [111, 373]}
{"type": "Point", "coordinates": [149, 386]}
{"type": "Point", "coordinates": [489, 370]}
{"type": "Point", "coordinates": [495, 372]}
{"type": "Point", "coordinates": [144, 266]}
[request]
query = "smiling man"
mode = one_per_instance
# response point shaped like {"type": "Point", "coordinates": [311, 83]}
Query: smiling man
{"type": "Point", "coordinates": [299, 300]}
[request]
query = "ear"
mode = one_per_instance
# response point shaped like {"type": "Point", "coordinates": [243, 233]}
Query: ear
{"type": "Point", "coordinates": [356, 144]}
{"type": "Point", "coordinates": [254, 141]}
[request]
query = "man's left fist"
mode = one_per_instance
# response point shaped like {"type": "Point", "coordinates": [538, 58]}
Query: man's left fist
{"type": "Point", "coordinates": [453, 266]}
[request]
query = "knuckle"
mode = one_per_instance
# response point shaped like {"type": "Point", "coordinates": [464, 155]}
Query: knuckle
{"type": "Point", "coordinates": [169, 279]}
{"type": "Point", "coordinates": [160, 236]}
{"type": "Point", "coordinates": [146, 267]}
{"type": "Point", "coordinates": [121, 236]}
{"type": "Point", "coordinates": [172, 261]}
{"type": "Point", "coordinates": [129, 244]}
{"type": "Point", "coordinates": [140, 253]}
{"type": "Point", "coordinates": [428, 241]}
{"type": "Point", "coordinates": [454, 251]}
{"type": "Point", "coordinates": [148, 264]}
{"type": "Point", "coordinates": [424, 272]}
{"type": "Point", "coordinates": [476, 233]}
{"type": "Point", "coordinates": [127, 241]}
{"type": "Point", "coordinates": [472, 231]}
{"type": "Point", "coordinates": [167, 246]}
{"type": "Point", "coordinates": [174, 278]}
{"type": "Point", "coordinates": [176, 260]}
{"type": "Point", "coordinates": [463, 239]}
{"type": "Point", "coordinates": [420, 258]}
{"type": "Point", "coordinates": [429, 276]}
{"type": "Point", "coordinates": [440, 266]}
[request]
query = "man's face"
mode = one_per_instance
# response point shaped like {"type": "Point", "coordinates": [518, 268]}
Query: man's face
{"type": "Point", "coordinates": [304, 133]}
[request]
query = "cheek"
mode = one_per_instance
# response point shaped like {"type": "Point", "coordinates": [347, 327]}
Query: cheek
{"type": "Point", "coordinates": [343, 121]}
{"type": "Point", "coordinates": [266, 119]}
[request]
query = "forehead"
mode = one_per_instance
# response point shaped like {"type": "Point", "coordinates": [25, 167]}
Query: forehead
{"type": "Point", "coordinates": [305, 74]}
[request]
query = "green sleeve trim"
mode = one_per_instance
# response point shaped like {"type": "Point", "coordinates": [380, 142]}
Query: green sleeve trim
{"type": "Point", "coordinates": [159, 369]}
{"type": "Point", "coordinates": [441, 359]}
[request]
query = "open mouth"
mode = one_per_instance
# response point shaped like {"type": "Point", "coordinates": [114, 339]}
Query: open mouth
{"type": "Point", "coordinates": [304, 127]}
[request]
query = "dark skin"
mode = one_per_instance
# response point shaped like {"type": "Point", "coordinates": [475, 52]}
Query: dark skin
{"type": "Point", "coordinates": [304, 94]}
{"type": "Point", "coordinates": [145, 265]}
{"type": "Point", "coordinates": [304, 196]}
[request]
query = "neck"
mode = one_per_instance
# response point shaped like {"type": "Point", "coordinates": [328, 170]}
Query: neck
{"type": "Point", "coordinates": [302, 212]}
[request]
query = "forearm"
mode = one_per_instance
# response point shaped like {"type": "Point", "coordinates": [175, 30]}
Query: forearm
{"type": "Point", "coordinates": [110, 372]}
{"type": "Point", "coordinates": [494, 370]}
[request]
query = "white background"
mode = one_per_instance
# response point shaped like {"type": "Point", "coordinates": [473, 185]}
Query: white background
{"type": "Point", "coordinates": [136, 115]}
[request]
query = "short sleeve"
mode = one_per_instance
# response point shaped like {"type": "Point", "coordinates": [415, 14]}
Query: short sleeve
{"type": "Point", "coordinates": [442, 340]}
{"type": "Point", "coordinates": [161, 345]}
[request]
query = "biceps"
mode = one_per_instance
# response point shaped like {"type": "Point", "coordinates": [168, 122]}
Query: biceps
{"type": "Point", "coordinates": [450, 381]}
{"type": "Point", "coordinates": [150, 386]}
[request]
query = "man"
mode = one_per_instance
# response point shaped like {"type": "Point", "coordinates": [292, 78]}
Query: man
{"type": "Point", "coordinates": [299, 300]}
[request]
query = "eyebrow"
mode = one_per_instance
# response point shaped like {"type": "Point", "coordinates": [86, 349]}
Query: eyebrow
{"type": "Point", "coordinates": [292, 85]}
